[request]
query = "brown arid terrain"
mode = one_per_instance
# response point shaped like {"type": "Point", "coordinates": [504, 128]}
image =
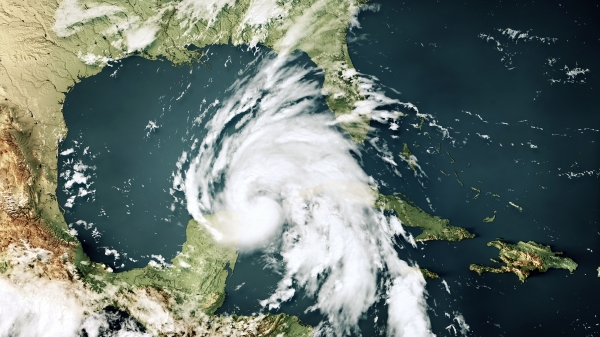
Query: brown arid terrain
{"type": "Point", "coordinates": [22, 227]}
{"type": "Point", "coordinates": [35, 74]}
{"type": "Point", "coordinates": [46, 47]}
{"type": "Point", "coordinates": [37, 256]}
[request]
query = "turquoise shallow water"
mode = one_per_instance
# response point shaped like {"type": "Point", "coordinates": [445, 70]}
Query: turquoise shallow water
{"type": "Point", "coordinates": [439, 57]}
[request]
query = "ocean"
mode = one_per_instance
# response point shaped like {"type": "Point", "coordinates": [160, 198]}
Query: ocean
{"type": "Point", "coordinates": [510, 115]}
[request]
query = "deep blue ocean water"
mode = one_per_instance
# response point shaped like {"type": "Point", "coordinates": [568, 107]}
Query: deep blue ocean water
{"type": "Point", "coordinates": [136, 119]}
{"type": "Point", "coordinates": [521, 116]}
{"type": "Point", "coordinates": [441, 57]}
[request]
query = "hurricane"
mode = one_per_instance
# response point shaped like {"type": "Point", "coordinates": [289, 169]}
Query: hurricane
{"type": "Point", "coordinates": [276, 173]}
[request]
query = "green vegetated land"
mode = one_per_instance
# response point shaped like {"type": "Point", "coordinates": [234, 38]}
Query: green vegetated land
{"type": "Point", "coordinates": [192, 285]}
{"type": "Point", "coordinates": [407, 156]}
{"type": "Point", "coordinates": [82, 43]}
{"type": "Point", "coordinates": [196, 275]}
{"type": "Point", "coordinates": [489, 219]}
{"type": "Point", "coordinates": [53, 44]}
{"type": "Point", "coordinates": [434, 227]}
{"type": "Point", "coordinates": [428, 273]}
{"type": "Point", "coordinates": [525, 257]}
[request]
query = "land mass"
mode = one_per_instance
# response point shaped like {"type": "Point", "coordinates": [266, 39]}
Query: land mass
{"type": "Point", "coordinates": [489, 219]}
{"type": "Point", "coordinates": [191, 288]}
{"type": "Point", "coordinates": [46, 47]}
{"type": "Point", "coordinates": [407, 156]}
{"type": "Point", "coordinates": [523, 258]}
{"type": "Point", "coordinates": [429, 274]}
{"type": "Point", "coordinates": [434, 227]}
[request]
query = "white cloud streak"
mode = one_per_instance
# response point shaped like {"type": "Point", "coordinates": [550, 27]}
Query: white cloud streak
{"type": "Point", "coordinates": [286, 182]}
{"type": "Point", "coordinates": [70, 13]}
{"type": "Point", "coordinates": [141, 37]}
{"type": "Point", "coordinates": [191, 11]}
{"type": "Point", "coordinates": [34, 306]}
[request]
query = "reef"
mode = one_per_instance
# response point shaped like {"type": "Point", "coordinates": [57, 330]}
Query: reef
{"type": "Point", "coordinates": [434, 227]}
{"type": "Point", "coordinates": [523, 258]}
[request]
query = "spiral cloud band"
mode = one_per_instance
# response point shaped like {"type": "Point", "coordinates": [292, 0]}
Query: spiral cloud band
{"type": "Point", "coordinates": [275, 173]}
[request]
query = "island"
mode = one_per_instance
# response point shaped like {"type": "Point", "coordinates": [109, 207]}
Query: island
{"type": "Point", "coordinates": [434, 227]}
{"type": "Point", "coordinates": [407, 156]}
{"type": "Point", "coordinates": [515, 206]}
{"type": "Point", "coordinates": [490, 218]}
{"type": "Point", "coordinates": [428, 273]}
{"type": "Point", "coordinates": [523, 258]}
{"type": "Point", "coordinates": [478, 192]}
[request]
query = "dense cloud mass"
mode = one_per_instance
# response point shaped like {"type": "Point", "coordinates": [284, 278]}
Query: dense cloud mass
{"type": "Point", "coordinates": [31, 306]}
{"type": "Point", "coordinates": [275, 173]}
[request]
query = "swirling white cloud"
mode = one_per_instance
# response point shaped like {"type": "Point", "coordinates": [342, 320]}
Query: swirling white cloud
{"type": "Point", "coordinates": [275, 173]}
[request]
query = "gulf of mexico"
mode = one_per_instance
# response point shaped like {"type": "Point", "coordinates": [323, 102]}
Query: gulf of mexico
{"type": "Point", "coordinates": [128, 127]}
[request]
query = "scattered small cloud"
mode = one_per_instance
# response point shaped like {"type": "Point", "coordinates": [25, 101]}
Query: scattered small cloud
{"type": "Point", "coordinates": [505, 39]}
{"type": "Point", "coordinates": [151, 127]}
